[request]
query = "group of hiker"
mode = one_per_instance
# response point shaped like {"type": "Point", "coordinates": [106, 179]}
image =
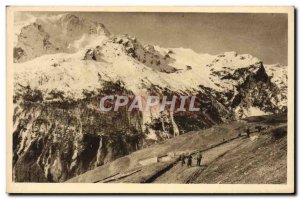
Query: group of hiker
{"type": "Point", "coordinates": [258, 129]}
{"type": "Point", "coordinates": [188, 159]}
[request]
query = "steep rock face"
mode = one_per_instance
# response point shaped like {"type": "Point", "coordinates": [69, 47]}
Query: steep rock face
{"type": "Point", "coordinates": [59, 131]}
{"type": "Point", "coordinates": [63, 138]}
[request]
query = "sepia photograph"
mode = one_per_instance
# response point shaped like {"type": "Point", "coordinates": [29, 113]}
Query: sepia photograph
{"type": "Point", "coordinates": [150, 99]}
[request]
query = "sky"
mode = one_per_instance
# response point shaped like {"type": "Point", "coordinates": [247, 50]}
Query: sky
{"type": "Point", "coordinates": [261, 35]}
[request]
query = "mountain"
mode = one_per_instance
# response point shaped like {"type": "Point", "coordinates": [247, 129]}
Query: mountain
{"type": "Point", "coordinates": [67, 34]}
{"type": "Point", "coordinates": [63, 65]}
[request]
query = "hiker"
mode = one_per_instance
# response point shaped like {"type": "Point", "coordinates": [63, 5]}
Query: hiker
{"type": "Point", "coordinates": [259, 128]}
{"type": "Point", "coordinates": [182, 159]}
{"type": "Point", "coordinates": [189, 162]}
{"type": "Point", "coordinates": [248, 132]}
{"type": "Point", "coordinates": [199, 158]}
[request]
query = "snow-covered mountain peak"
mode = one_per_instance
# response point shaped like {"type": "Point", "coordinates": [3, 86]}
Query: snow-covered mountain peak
{"type": "Point", "coordinates": [124, 45]}
{"type": "Point", "coordinates": [49, 35]}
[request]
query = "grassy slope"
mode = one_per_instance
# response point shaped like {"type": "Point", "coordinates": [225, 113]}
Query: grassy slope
{"type": "Point", "coordinates": [261, 161]}
{"type": "Point", "coordinates": [182, 174]}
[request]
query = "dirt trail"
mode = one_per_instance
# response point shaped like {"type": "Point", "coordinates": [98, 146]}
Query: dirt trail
{"type": "Point", "coordinates": [183, 174]}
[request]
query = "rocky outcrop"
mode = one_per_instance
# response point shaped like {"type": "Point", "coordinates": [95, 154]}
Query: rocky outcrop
{"type": "Point", "coordinates": [146, 55]}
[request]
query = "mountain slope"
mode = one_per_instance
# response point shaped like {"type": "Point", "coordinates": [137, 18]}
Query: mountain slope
{"type": "Point", "coordinates": [263, 155]}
